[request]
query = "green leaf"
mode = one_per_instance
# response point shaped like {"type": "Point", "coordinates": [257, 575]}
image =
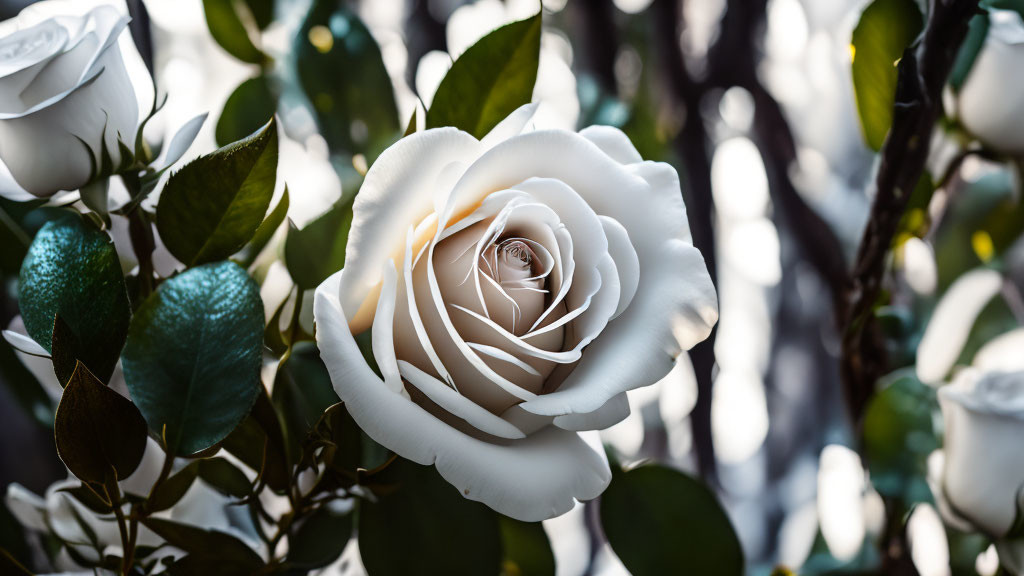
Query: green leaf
{"type": "Point", "coordinates": [318, 250]}
{"type": "Point", "coordinates": [426, 522]}
{"type": "Point", "coordinates": [343, 75]}
{"type": "Point", "coordinates": [977, 30]}
{"type": "Point", "coordinates": [259, 443]}
{"type": "Point", "coordinates": [212, 206]}
{"type": "Point", "coordinates": [246, 110]}
{"type": "Point", "coordinates": [320, 539]}
{"type": "Point", "coordinates": [65, 350]}
{"type": "Point", "coordinates": [885, 30]}
{"type": "Point", "coordinates": [224, 477]}
{"type": "Point", "coordinates": [228, 30]}
{"type": "Point", "coordinates": [490, 80]}
{"type": "Point", "coordinates": [173, 489]}
{"type": "Point", "coordinates": [659, 520]}
{"type": "Point", "coordinates": [267, 229]}
{"type": "Point", "coordinates": [97, 430]}
{"type": "Point", "coordinates": [302, 392]}
{"type": "Point", "coordinates": [527, 549]}
{"type": "Point", "coordinates": [192, 361]}
{"type": "Point", "coordinates": [899, 435]}
{"type": "Point", "coordinates": [90, 499]}
{"type": "Point", "coordinates": [206, 548]}
{"type": "Point", "coordinates": [411, 127]}
{"type": "Point", "coordinates": [262, 12]}
{"type": "Point", "coordinates": [72, 270]}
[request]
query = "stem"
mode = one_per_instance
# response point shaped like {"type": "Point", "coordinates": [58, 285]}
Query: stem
{"type": "Point", "coordinates": [143, 243]}
{"type": "Point", "coordinates": [127, 540]}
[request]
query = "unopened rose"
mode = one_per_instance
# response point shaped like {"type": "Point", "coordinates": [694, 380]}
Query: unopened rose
{"type": "Point", "coordinates": [991, 101]}
{"type": "Point", "coordinates": [516, 287]}
{"type": "Point", "coordinates": [64, 95]}
{"type": "Point", "coordinates": [983, 477]}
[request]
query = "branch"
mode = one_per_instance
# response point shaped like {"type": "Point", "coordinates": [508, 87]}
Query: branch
{"type": "Point", "coordinates": [922, 75]}
{"type": "Point", "coordinates": [692, 145]}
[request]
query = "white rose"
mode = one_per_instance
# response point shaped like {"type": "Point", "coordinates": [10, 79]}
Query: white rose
{"type": "Point", "coordinates": [991, 101]}
{"type": "Point", "coordinates": [516, 288]}
{"type": "Point", "coordinates": [984, 470]}
{"type": "Point", "coordinates": [64, 95]}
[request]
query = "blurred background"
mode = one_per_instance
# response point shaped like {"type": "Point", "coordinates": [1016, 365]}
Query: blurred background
{"type": "Point", "coordinates": [751, 100]}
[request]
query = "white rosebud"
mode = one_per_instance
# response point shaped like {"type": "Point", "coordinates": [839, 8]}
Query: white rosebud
{"type": "Point", "coordinates": [65, 94]}
{"type": "Point", "coordinates": [991, 102]}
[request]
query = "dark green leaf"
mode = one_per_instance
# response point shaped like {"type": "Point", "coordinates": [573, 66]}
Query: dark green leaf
{"type": "Point", "coordinates": [341, 71]}
{"type": "Point", "coordinates": [411, 128]}
{"type": "Point", "coordinates": [14, 238]}
{"type": "Point", "coordinates": [224, 477]}
{"type": "Point", "coordinates": [318, 250]}
{"type": "Point", "coordinates": [90, 499]}
{"type": "Point", "coordinates": [320, 539]}
{"type": "Point", "coordinates": [192, 360]}
{"type": "Point", "coordinates": [899, 435]}
{"type": "Point", "coordinates": [527, 549]}
{"type": "Point", "coordinates": [229, 554]}
{"type": "Point", "coordinates": [97, 430]}
{"type": "Point", "coordinates": [262, 12]}
{"type": "Point", "coordinates": [228, 30]}
{"type": "Point", "coordinates": [72, 269]}
{"type": "Point", "coordinates": [174, 488]}
{"type": "Point", "coordinates": [885, 30]}
{"type": "Point", "coordinates": [65, 350]}
{"type": "Point", "coordinates": [426, 522]}
{"type": "Point", "coordinates": [246, 110]}
{"type": "Point", "coordinates": [302, 392]}
{"type": "Point", "coordinates": [259, 443]}
{"type": "Point", "coordinates": [267, 229]}
{"type": "Point", "coordinates": [976, 32]}
{"type": "Point", "coordinates": [490, 80]}
{"type": "Point", "coordinates": [212, 206]}
{"type": "Point", "coordinates": [661, 521]}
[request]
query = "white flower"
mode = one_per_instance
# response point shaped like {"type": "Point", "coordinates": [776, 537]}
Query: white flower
{"type": "Point", "coordinates": [64, 95]}
{"type": "Point", "coordinates": [516, 288]}
{"type": "Point", "coordinates": [991, 101]}
{"type": "Point", "coordinates": [983, 477]}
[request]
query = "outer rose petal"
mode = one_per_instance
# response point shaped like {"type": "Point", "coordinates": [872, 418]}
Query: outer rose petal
{"type": "Point", "coordinates": [531, 479]}
{"type": "Point", "coordinates": [613, 142]}
{"type": "Point", "coordinates": [397, 193]}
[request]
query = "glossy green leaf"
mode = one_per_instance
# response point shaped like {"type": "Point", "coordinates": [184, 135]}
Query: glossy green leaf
{"type": "Point", "coordinates": [424, 521]}
{"type": "Point", "coordinates": [527, 548]}
{"type": "Point", "coordinates": [229, 31]}
{"type": "Point", "coordinates": [490, 80]}
{"type": "Point", "coordinates": [302, 392]}
{"type": "Point", "coordinates": [977, 31]}
{"type": "Point", "coordinates": [885, 30]}
{"type": "Point", "coordinates": [213, 205]}
{"type": "Point", "coordinates": [224, 477]}
{"type": "Point", "coordinates": [661, 521]}
{"type": "Point", "coordinates": [320, 539]}
{"type": "Point", "coordinates": [192, 360]}
{"type": "Point", "coordinates": [318, 250]}
{"type": "Point", "coordinates": [207, 549]}
{"type": "Point", "coordinates": [246, 110]}
{"type": "Point", "coordinates": [97, 430]}
{"type": "Point", "coordinates": [342, 74]}
{"type": "Point", "coordinates": [72, 269]}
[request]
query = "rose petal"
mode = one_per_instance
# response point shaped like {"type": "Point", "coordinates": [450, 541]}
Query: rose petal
{"type": "Point", "coordinates": [612, 142]}
{"type": "Point", "coordinates": [951, 323]}
{"type": "Point", "coordinates": [626, 262]}
{"type": "Point", "coordinates": [613, 411]}
{"type": "Point", "coordinates": [532, 479]}
{"type": "Point", "coordinates": [397, 193]}
{"type": "Point", "coordinates": [674, 308]}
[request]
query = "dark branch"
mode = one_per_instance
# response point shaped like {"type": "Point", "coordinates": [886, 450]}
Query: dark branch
{"type": "Point", "coordinates": [922, 75]}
